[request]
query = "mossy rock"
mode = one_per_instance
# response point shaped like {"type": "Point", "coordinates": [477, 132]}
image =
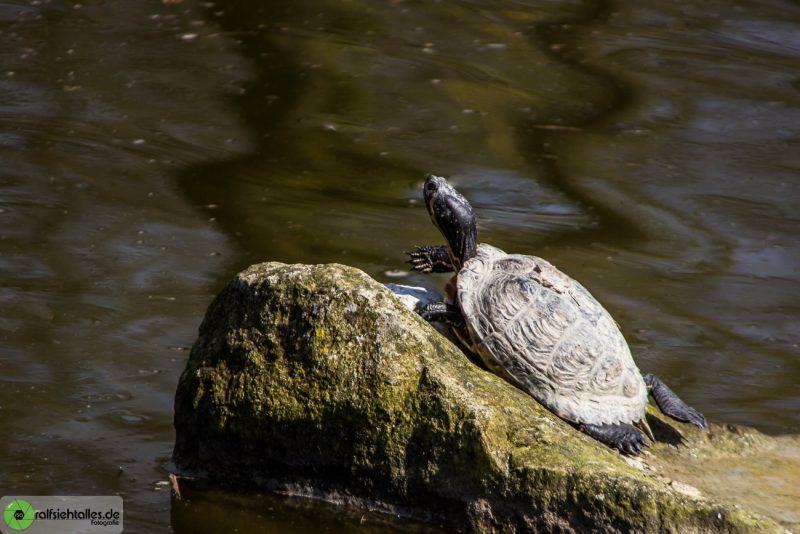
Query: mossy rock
{"type": "Point", "coordinates": [316, 380]}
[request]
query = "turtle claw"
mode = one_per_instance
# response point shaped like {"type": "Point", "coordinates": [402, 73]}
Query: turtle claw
{"type": "Point", "coordinates": [633, 447]}
{"type": "Point", "coordinates": [625, 438]}
{"type": "Point", "coordinates": [430, 259]}
{"type": "Point", "coordinates": [696, 418]}
{"type": "Point", "coordinates": [419, 261]}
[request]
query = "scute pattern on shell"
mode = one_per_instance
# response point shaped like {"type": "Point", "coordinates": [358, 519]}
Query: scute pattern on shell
{"type": "Point", "coordinates": [544, 332]}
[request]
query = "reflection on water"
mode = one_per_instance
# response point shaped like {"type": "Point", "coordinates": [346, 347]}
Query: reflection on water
{"type": "Point", "coordinates": [218, 511]}
{"type": "Point", "coordinates": [106, 270]}
{"type": "Point", "coordinates": [151, 150]}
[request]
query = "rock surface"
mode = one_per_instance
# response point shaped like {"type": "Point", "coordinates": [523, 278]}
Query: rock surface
{"type": "Point", "coordinates": [318, 381]}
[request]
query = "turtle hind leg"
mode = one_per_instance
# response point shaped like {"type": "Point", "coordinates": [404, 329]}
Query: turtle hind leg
{"type": "Point", "coordinates": [625, 438]}
{"type": "Point", "coordinates": [669, 403]}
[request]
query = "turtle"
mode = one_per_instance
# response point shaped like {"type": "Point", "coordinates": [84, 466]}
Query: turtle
{"type": "Point", "coordinates": [540, 330]}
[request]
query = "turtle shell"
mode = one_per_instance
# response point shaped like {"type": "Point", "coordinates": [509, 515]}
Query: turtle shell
{"type": "Point", "coordinates": [545, 333]}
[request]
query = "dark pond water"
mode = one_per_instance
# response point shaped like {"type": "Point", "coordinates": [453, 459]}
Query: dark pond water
{"type": "Point", "coordinates": [150, 150]}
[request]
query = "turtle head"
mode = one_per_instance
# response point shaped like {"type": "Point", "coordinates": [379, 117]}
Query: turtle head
{"type": "Point", "coordinates": [453, 216]}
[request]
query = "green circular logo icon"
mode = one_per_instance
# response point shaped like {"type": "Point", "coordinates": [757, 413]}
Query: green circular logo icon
{"type": "Point", "coordinates": [18, 514]}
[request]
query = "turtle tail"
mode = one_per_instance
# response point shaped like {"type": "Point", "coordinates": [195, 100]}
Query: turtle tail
{"type": "Point", "coordinates": [645, 428]}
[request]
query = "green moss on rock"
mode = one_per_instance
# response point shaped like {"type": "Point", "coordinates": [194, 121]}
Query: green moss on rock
{"type": "Point", "coordinates": [317, 380]}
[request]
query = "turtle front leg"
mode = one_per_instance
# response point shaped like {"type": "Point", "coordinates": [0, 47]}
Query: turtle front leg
{"type": "Point", "coordinates": [625, 438]}
{"type": "Point", "coordinates": [669, 403]}
{"type": "Point", "coordinates": [441, 312]}
{"type": "Point", "coordinates": [430, 259]}
{"type": "Point", "coordinates": [449, 314]}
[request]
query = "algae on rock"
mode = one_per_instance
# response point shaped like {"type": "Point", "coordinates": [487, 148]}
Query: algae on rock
{"type": "Point", "coordinates": [316, 380]}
